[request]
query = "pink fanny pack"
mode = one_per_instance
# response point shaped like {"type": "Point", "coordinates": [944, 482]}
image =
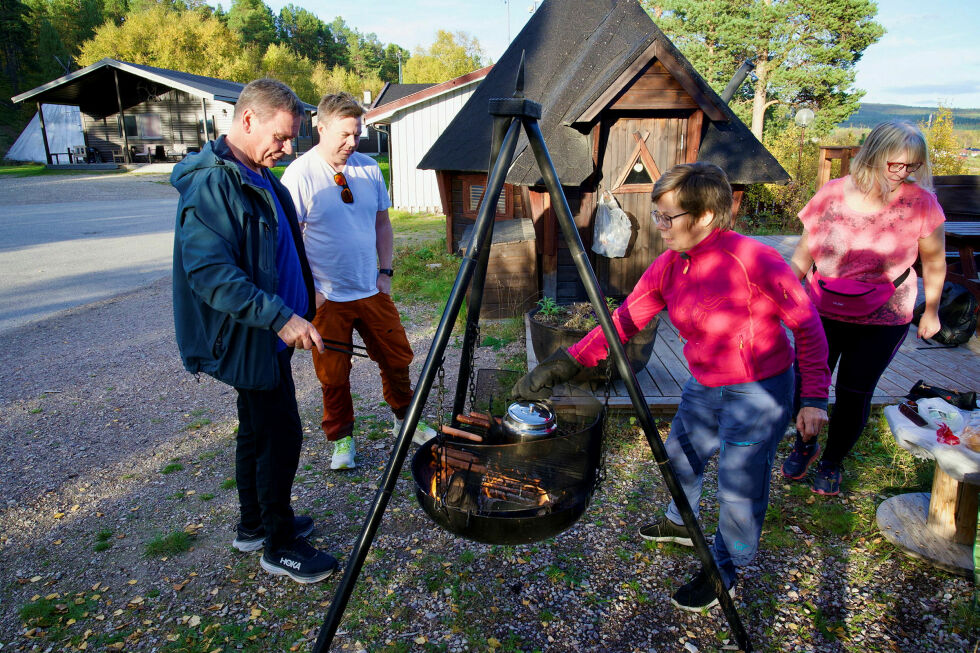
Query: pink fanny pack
{"type": "Point", "coordinates": [850, 297]}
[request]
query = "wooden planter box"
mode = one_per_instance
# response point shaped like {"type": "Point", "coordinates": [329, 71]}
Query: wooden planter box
{"type": "Point", "coordinates": [546, 340]}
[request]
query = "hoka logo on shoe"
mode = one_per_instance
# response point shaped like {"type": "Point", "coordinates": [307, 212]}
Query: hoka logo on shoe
{"type": "Point", "coordinates": [292, 564]}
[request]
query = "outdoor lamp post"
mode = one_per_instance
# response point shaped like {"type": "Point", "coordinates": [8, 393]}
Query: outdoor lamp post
{"type": "Point", "coordinates": [803, 118]}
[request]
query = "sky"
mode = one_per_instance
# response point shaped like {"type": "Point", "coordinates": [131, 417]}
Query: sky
{"type": "Point", "coordinates": [929, 54]}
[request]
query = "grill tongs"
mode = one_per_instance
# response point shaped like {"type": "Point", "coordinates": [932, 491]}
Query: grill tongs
{"type": "Point", "coordinates": [344, 347]}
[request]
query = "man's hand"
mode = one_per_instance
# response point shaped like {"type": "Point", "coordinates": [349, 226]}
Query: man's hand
{"type": "Point", "coordinates": [320, 299]}
{"type": "Point", "coordinates": [809, 421]}
{"type": "Point", "coordinates": [299, 333]}
{"type": "Point", "coordinates": [384, 283]}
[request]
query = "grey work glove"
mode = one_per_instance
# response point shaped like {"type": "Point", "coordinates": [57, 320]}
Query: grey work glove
{"type": "Point", "coordinates": [537, 384]}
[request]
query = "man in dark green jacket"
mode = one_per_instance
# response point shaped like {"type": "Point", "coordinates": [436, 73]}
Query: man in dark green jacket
{"type": "Point", "coordinates": [243, 293]}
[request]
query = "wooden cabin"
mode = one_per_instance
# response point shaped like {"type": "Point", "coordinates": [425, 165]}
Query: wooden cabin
{"type": "Point", "coordinates": [133, 113]}
{"type": "Point", "coordinates": [620, 105]}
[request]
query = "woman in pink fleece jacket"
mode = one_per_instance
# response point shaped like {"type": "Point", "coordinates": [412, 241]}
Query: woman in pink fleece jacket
{"type": "Point", "coordinates": [729, 297]}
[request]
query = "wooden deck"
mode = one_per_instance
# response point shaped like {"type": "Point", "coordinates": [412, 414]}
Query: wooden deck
{"type": "Point", "coordinates": [664, 376]}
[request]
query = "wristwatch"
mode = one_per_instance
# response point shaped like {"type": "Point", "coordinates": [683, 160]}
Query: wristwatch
{"type": "Point", "coordinates": [387, 271]}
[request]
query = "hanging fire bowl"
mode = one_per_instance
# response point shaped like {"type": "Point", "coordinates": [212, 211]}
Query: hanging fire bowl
{"type": "Point", "coordinates": [502, 491]}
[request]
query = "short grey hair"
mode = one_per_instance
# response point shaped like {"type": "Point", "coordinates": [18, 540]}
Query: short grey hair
{"type": "Point", "coordinates": [267, 96]}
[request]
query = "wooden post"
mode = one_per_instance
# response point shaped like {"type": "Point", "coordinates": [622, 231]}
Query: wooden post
{"type": "Point", "coordinates": [952, 508]}
{"type": "Point", "coordinates": [44, 133]}
{"type": "Point", "coordinates": [204, 120]}
{"type": "Point", "coordinates": [127, 155]}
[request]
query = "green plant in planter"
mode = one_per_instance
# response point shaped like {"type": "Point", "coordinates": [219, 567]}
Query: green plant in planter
{"type": "Point", "coordinates": [577, 317]}
{"type": "Point", "coordinates": [548, 307]}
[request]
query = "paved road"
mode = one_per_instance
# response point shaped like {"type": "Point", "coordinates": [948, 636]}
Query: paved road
{"type": "Point", "coordinates": [66, 241]}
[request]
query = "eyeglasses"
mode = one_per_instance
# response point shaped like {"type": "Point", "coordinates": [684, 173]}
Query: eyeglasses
{"type": "Point", "coordinates": [665, 220]}
{"type": "Point", "coordinates": [896, 168]}
{"type": "Point", "coordinates": [345, 192]}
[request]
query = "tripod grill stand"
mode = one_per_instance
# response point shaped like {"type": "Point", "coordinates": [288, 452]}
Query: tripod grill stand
{"type": "Point", "coordinates": [509, 115]}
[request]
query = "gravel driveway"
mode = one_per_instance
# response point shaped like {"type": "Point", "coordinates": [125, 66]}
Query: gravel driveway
{"type": "Point", "coordinates": [109, 448]}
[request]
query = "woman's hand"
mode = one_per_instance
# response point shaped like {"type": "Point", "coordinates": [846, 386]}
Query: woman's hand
{"type": "Point", "coordinates": [809, 421]}
{"type": "Point", "coordinates": [929, 324]}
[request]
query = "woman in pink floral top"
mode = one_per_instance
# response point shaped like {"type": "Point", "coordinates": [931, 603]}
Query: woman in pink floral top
{"type": "Point", "coordinates": [869, 226]}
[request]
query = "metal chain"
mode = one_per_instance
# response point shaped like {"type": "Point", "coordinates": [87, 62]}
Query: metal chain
{"type": "Point", "coordinates": [441, 375]}
{"type": "Point", "coordinates": [472, 379]}
{"type": "Point", "coordinates": [601, 473]}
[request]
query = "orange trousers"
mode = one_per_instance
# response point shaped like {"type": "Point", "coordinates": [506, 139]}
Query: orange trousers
{"type": "Point", "coordinates": [377, 321]}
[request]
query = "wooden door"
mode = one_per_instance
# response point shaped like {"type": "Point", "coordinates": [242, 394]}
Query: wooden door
{"type": "Point", "coordinates": [634, 153]}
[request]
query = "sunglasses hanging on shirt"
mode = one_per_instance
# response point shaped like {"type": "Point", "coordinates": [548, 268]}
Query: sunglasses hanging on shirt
{"type": "Point", "coordinates": [345, 192]}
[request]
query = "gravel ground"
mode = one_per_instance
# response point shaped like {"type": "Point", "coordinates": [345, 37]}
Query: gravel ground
{"type": "Point", "coordinates": [107, 444]}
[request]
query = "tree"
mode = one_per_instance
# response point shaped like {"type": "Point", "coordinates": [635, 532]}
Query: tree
{"type": "Point", "coordinates": [451, 55]}
{"type": "Point", "coordinates": [186, 41]}
{"type": "Point", "coordinates": [307, 36]}
{"type": "Point", "coordinates": [391, 62]}
{"type": "Point", "coordinates": [295, 71]}
{"type": "Point", "coordinates": [804, 50]}
{"type": "Point", "coordinates": [253, 21]}
{"type": "Point", "coordinates": [17, 36]}
{"type": "Point", "coordinates": [943, 147]}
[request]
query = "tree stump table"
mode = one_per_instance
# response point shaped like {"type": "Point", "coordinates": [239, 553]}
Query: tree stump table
{"type": "Point", "coordinates": [939, 527]}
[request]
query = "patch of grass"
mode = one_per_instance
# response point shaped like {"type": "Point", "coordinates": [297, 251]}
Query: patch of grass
{"type": "Point", "coordinates": [229, 484]}
{"type": "Point", "coordinates": [206, 496]}
{"type": "Point", "coordinates": [208, 455]}
{"type": "Point", "coordinates": [198, 423]}
{"type": "Point", "coordinates": [168, 545]}
{"type": "Point", "coordinates": [103, 540]}
{"type": "Point", "coordinates": [417, 279]}
{"type": "Point", "coordinates": [35, 411]}
{"type": "Point", "coordinates": [170, 468]}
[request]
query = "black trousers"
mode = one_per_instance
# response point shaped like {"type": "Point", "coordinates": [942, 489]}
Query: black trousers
{"type": "Point", "coordinates": [270, 436]}
{"type": "Point", "coordinates": [860, 352]}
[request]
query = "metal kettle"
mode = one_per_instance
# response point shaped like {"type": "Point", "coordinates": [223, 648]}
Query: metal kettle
{"type": "Point", "coordinates": [527, 421]}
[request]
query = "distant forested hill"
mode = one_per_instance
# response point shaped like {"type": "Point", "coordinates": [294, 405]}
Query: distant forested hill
{"type": "Point", "coordinates": [870, 115]}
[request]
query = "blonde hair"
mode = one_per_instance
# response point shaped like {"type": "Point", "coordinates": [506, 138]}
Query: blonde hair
{"type": "Point", "coordinates": [701, 187]}
{"type": "Point", "coordinates": [338, 105]}
{"type": "Point", "coordinates": [888, 140]}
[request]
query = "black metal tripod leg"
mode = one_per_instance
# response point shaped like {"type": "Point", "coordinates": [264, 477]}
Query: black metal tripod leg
{"type": "Point", "coordinates": [560, 205]}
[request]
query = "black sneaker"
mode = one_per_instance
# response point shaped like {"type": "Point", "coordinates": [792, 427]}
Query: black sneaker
{"type": "Point", "coordinates": [299, 561]}
{"type": "Point", "coordinates": [697, 594]}
{"type": "Point", "coordinates": [253, 539]}
{"type": "Point", "coordinates": [664, 530]}
{"type": "Point", "coordinates": [800, 458]}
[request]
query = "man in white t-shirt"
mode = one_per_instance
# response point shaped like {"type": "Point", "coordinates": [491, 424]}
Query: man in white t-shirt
{"type": "Point", "coordinates": [342, 203]}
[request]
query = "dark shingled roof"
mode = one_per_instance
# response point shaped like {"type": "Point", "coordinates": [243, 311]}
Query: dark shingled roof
{"type": "Point", "coordinates": [392, 92]}
{"type": "Point", "coordinates": [575, 49]}
{"type": "Point", "coordinates": [93, 88]}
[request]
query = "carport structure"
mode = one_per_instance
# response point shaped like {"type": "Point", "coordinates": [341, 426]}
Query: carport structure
{"type": "Point", "coordinates": [157, 112]}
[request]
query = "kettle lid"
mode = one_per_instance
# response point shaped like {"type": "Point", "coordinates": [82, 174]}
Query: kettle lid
{"type": "Point", "coordinates": [531, 417]}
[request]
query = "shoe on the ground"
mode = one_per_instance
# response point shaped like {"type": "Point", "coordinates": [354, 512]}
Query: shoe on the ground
{"type": "Point", "coordinates": [697, 595]}
{"type": "Point", "coordinates": [253, 539]}
{"type": "Point", "coordinates": [299, 561]}
{"type": "Point", "coordinates": [343, 454]}
{"type": "Point", "coordinates": [664, 530]}
{"type": "Point", "coordinates": [826, 480]}
{"type": "Point", "coordinates": [423, 432]}
{"type": "Point", "coordinates": [800, 458]}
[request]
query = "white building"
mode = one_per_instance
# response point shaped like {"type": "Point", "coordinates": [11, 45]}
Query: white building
{"type": "Point", "coordinates": [415, 121]}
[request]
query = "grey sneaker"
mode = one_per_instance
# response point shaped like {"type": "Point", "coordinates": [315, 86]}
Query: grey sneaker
{"type": "Point", "coordinates": [664, 530]}
{"type": "Point", "coordinates": [253, 539]}
{"type": "Point", "coordinates": [423, 432]}
{"type": "Point", "coordinates": [343, 454]}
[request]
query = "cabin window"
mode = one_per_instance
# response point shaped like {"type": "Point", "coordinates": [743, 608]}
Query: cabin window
{"type": "Point", "coordinates": [473, 192]}
{"type": "Point", "coordinates": [143, 125]}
